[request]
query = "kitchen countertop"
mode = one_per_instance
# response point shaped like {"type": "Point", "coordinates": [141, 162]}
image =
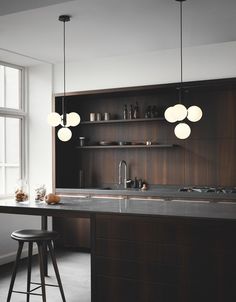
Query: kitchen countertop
{"type": "Point", "coordinates": [161, 191]}
{"type": "Point", "coordinates": [88, 206]}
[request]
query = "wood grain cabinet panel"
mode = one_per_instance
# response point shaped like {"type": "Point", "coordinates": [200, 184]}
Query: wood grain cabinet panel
{"type": "Point", "coordinates": [74, 232]}
{"type": "Point", "coordinates": [126, 290]}
{"type": "Point", "coordinates": [164, 259]}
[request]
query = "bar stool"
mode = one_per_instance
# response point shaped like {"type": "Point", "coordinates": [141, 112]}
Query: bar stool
{"type": "Point", "coordinates": [43, 239]}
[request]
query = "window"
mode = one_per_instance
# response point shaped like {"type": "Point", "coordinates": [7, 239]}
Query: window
{"type": "Point", "coordinates": [12, 128]}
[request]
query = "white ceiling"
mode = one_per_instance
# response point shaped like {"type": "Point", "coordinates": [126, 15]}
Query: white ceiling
{"type": "Point", "coordinates": [108, 28]}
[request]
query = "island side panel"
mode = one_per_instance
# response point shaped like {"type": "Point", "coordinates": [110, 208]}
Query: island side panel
{"type": "Point", "coordinates": [138, 258]}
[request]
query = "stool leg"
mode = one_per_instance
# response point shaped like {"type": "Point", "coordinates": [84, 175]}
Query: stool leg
{"type": "Point", "coordinates": [13, 277]}
{"type": "Point", "coordinates": [54, 262]}
{"type": "Point", "coordinates": [29, 269]}
{"type": "Point", "coordinates": [41, 265]}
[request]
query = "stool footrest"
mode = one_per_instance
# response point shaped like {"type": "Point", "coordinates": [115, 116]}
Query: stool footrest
{"type": "Point", "coordinates": [37, 283]}
{"type": "Point", "coordinates": [26, 293]}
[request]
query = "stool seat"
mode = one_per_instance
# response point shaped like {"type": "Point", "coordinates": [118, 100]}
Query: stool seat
{"type": "Point", "coordinates": [34, 235]}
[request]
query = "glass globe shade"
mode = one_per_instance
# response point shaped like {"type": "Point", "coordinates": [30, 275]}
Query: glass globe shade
{"type": "Point", "coordinates": [180, 112]}
{"type": "Point", "coordinates": [73, 119]}
{"type": "Point", "coordinates": [64, 134]}
{"type": "Point", "coordinates": [170, 115]}
{"type": "Point", "coordinates": [194, 113]}
{"type": "Point", "coordinates": [54, 119]}
{"type": "Point", "coordinates": [182, 130]}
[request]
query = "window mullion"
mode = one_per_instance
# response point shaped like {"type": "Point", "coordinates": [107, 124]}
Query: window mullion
{"type": "Point", "coordinates": [4, 157]}
{"type": "Point", "coordinates": [4, 86]}
{"type": "Point", "coordinates": [11, 113]}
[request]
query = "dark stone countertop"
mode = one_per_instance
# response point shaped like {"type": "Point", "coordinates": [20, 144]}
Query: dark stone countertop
{"type": "Point", "coordinates": [166, 192]}
{"type": "Point", "coordinates": [87, 206]}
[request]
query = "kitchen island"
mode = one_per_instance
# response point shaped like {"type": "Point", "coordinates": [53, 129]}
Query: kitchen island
{"type": "Point", "coordinates": [145, 250]}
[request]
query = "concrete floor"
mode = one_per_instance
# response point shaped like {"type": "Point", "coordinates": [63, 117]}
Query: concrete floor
{"type": "Point", "coordinates": [74, 269]}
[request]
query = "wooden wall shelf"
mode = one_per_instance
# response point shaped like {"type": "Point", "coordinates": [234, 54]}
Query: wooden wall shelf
{"type": "Point", "coordinates": [127, 146]}
{"type": "Point", "coordinates": [124, 121]}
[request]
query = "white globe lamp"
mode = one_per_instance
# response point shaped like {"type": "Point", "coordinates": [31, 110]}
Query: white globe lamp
{"type": "Point", "coordinates": [73, 119]}
{"type": "Point", "coordinates": [64, 134]}
{"type": "Point", "coordinates": [182, 130]}
{"type": "Point", "coordinates": [54, 119]}
{"type": "Point", "coordinates": [170, 115]}
{"type": "Point", "coordinates": [194, 113]}
{"type": "Point", "coordinates": [180, 112]}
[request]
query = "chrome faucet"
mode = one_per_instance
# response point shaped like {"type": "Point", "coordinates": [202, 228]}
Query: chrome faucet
{"type": "Point", "coordinates": [125, 176]}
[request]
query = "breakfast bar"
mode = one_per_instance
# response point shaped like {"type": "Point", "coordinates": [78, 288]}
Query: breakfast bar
{"type": "Point", "coordinates": [144, 250]}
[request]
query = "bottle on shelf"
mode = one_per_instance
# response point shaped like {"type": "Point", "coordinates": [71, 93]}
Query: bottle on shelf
{"type": "Point", "coordinates": [131, 112]}
{"type": "Point", "coordinates": [148, 112]}
{"type": "Point", "coordinates": [125, 113]}
{"type": "Point", "coordinates": [154, 111]}
{"type": "Point", "coordinates": [136, 111]}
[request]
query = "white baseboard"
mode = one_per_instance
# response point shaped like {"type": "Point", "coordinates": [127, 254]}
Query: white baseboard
{"type": "Point", "coordinates": [10, 257]}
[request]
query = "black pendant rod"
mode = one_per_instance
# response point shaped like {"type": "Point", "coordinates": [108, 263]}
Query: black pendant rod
{"type": "Point", "coordinates": [181, 50]}
{"type": "Point", "coordinates": [64, 19]}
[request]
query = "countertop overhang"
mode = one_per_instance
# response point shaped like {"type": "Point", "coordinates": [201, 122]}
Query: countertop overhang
{"type": "Point", "coordinates": [76, 207]}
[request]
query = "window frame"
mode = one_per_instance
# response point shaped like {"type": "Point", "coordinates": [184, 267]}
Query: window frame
{"type": "Point", "coordinates": [20, 114]}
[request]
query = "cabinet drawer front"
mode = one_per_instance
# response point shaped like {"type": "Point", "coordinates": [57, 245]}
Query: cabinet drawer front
{"type": "Point", "coordinates": [209, 234]}
{"type": "Point", "coordinates": [125, 290]}
{"type": "Point", "coordinates": [143, 271]}
{"type": "Point", "coordinates": [139, 251]}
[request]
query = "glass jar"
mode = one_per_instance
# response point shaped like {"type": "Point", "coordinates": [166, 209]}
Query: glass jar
{"type": "Point", "coordinates": [21, 191]}
{"type": "Point", "coordinates": [40, 192]}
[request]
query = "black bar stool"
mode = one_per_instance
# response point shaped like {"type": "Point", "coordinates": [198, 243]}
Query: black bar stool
{"type": "Point", "coordinates": [42, 239]}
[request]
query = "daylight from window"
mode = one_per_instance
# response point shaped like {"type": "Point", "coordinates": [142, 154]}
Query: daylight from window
{"type": "Point", "coordinates": [11, 129]}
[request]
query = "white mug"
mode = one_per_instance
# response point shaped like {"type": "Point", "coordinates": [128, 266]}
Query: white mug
{"type": "Point", "coordinates": [92, 117]}
{"type": "Point", "coordinates": [106, 116]}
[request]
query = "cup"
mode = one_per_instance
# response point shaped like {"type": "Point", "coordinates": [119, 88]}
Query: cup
{"type": "Point", "coordinates": [81, 141]}
{"type": "Point", "coordinates": [92, 117]}
{"type": "Point", "coordinates": [106, 116]}
{"type": "Point", "coordinates": [98, 116]}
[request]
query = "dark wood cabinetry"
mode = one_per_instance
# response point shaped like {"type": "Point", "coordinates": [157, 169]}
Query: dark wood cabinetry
{"type": "Point", "coordinates": [206, 158]}
{"type": "Point", "coordinates": [74, 232]}
{"type": "Point", "coordinates": [164, 259]}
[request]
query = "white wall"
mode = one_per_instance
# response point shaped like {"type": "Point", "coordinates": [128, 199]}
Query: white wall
{"type": "Point", "coordinates": [10, 223]}
{"type": "Point", "coordinates": [200, 63]}
{"type": "Point", "coordinates": [40, 134]}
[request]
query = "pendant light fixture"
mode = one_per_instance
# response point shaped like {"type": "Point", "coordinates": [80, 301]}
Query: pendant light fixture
{"type": "Point", "coordinates": [179, 112]}
{"type": "Point", "coordinates": [66, 120]}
